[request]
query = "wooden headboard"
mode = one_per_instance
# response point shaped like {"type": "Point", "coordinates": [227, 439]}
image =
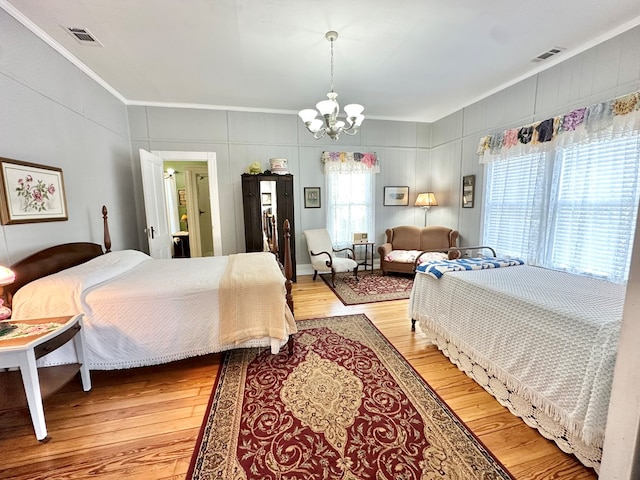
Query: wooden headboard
{"type": "Point", "coordinates": [48, 261]}
{"type": "Point", "coordinates": [52, 260]}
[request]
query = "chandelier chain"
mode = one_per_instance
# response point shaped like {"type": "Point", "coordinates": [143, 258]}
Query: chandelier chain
{"type": "Point", "coordinates": [332, 64]}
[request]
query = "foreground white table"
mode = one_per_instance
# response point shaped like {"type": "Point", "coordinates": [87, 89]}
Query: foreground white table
{"type": "Point", "coordinates": [22, 352]}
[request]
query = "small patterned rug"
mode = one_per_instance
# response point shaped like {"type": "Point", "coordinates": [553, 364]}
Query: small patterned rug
{"type": "Point", "coordinates": [344, 405]}
{"type": "Point", "coordinates": [372, 287]}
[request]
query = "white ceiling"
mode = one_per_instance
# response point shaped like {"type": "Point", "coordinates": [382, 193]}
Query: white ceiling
{"type": "Point", "coordinates": [414, 60]}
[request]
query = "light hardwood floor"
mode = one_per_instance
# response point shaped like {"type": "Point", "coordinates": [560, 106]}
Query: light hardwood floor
{"type": "Point", "coordinates": [143, 423]}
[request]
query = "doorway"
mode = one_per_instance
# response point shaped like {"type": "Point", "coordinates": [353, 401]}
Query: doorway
{"type": "Point", "coordinates": [199, 215]}
{"type": "Point", "coordinates": [199, 210]}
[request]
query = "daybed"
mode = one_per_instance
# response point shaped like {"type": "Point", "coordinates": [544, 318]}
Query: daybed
{"type": "Point", "coordinates": [405, 243]}
{"type": "Point", "coordinates": [542, 342]}
{"type": "Point", "coordinates": [141, 311]}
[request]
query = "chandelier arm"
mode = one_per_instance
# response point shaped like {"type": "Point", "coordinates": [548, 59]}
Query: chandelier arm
{"type": "Point", "coordinates": [321, 133]}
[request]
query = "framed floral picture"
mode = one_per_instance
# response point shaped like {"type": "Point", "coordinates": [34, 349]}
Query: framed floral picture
{"type": "Point", "coordinates": [31, 193]}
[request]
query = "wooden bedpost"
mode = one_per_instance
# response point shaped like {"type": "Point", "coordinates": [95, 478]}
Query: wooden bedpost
{"type": "Point", "coordinates": [107, 237]}
{"type": "Point", "coordinates": [288, 265]}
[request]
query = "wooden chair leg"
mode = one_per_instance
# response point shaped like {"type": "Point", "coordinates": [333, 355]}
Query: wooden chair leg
{"type": "Point", "coordinates": [315, 274]}
{"type": "Point", "coordinates": [355, 272]}
{"type": "Point", "coordinates": [333, 278]}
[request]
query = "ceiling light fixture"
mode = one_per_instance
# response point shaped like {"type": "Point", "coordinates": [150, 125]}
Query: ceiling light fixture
{"type": "Point", "coordinates": [329, 110]}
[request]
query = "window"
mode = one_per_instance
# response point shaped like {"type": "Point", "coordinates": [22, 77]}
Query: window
{"type": "Point", "coordinates": [571, 209]}
{"type": "Point", "coordinates": [350, 197]}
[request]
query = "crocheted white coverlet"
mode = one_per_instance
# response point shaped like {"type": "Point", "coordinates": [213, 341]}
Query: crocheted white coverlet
{"type": "Point", "coordinates": [138, 311]}
{"type": "Point", "coordinates": [543, 342]}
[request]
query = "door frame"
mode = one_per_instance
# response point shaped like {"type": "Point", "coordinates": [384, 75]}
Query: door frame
{"type": "Point", "coordinates": [212, 169]}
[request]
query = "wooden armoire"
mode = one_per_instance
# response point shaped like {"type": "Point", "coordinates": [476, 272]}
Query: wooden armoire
{"type": "Point", "coordinates": [268, 194]}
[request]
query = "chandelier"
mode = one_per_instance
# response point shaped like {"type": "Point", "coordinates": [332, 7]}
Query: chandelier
{"type": "Point", "coordinates": [328, 122]}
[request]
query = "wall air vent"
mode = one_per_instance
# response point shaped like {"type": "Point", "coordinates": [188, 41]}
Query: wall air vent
{"type": "Point", "coordinates": [549, 53]}
{"type": "Point", "coordinates": [83, 36]}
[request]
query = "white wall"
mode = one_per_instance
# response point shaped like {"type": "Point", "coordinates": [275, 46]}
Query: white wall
{"type": "Point", "coordinates": [240, 138]}
{"type": "Point", "coordinates": [53, 114]}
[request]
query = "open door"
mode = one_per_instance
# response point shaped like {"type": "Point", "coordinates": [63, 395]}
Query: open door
{"type": "Point", "coordinates": [157, 228]}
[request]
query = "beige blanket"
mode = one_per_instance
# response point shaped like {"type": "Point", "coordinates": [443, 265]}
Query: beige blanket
{"type": "Point", "coordinates": [252, 300]}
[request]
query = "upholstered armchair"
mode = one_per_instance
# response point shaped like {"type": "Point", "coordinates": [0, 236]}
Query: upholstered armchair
{"type": "Point", "coordinates": [323, 258]}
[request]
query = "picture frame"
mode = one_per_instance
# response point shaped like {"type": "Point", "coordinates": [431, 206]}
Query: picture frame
{"type": "Point", "coordinates": [266, 199]}
{"type": "Point", "coordinates": [468, 191]}
{"type": "Point", "coordinates": [31, 193]}
{"type": "Point", "coordinates": [312, 197]}
{"type": "Point", "coordinates": [396, 196]}
{"type": "Point", "coordinates": [182, 197]}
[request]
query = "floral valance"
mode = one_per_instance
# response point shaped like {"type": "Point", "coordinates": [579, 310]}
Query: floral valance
{"type": "Point", "coordinates": [350, 162]}
{"type": "Point", "coordinates": [611, 119]}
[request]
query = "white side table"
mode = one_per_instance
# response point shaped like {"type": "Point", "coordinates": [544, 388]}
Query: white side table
{"type": "Point", "coordinates": [22, 352]}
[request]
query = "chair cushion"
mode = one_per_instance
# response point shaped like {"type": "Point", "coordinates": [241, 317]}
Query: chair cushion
{"type": "Point", "coordinates": [409, 256]}
{"type": "Point", "coordinates": [339, 264]}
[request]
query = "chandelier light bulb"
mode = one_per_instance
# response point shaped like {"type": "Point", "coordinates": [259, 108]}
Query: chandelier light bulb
{"type": "Point", "coordinates": [328, 123]}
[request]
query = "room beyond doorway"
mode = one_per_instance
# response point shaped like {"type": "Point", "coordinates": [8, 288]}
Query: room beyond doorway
{"type": "Point", "coordinates": [195, 219]}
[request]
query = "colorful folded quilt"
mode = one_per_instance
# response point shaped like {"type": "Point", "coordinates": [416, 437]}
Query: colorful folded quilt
{"type": "Point", "coordinates": [437, 269]}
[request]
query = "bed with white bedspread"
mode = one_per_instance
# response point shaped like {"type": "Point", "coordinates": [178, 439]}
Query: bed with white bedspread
{"type": "Point", "coordinates": [141, 311]}
{"type": "Point", "coordinates": [542, 342]}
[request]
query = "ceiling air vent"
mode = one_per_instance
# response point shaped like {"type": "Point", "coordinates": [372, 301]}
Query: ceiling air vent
{"type": "Point", "coordinates": [548, 53]}
{"type": "Point", "coordinates": [83, 36]}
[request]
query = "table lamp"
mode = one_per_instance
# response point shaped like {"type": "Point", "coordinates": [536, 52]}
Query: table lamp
{"type": "Point", "coordinates": [6, 277]}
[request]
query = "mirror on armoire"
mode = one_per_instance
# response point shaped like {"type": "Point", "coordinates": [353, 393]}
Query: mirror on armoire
{"type": "Point", "coordinates": [269, 206]}
{"type": "Point", "coordinates": [267, 201]}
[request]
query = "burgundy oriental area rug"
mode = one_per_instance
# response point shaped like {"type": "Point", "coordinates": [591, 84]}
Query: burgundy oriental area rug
{"type": "Point", "coordinates": [345, 405]}
{"type": "Point", "coordinates": [372, 287]}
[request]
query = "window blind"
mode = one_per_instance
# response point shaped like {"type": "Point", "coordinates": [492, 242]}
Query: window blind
{"type": "Point", "coordinates": [573, 208]}
{"type": "Point", "coordinates": [593, 208]}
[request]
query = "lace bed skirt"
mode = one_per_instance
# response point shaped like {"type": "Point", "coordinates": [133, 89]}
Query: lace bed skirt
{"type": "Point", "coordinates": [532, 415]}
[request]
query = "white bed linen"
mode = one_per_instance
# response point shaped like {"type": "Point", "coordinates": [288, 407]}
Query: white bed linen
{"type": "Point", "coordinates": [137, 311]}
{"type": "Point", "coordinates": [548, 336]}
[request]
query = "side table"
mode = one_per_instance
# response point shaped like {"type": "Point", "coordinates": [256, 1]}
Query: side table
{"type": "Point", "coordinates": [23, 351]}
{"type": "Point", "coordinates": [368, 253]}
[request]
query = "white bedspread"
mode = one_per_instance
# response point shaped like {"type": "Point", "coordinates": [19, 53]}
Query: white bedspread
{"type": "Point", "coordinates": [138, 311]}
{"type": "Point", "coordinates": [549, 336]}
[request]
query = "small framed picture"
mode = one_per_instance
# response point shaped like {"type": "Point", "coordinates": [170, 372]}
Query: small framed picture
{"type": "Point", "coordinates": [468, 187]}
{"type": "Point", "coordinates": [182, 197]}
{"type": "Point", "coordinates": [266, 199]}
{"type": "Point", "coordinates": [311, 197]}
{"type": "Point", "coordinates": [31, 193]}
{"type": "Point", "coordinates": [398, 196]}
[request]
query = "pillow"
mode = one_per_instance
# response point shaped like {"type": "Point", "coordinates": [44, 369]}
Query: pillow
{"type": "Point", "coordinates": [409, 256]}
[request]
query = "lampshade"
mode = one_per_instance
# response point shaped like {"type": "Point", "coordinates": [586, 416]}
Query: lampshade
{"type": "Point", "coordinates": [6, 276]}
{"type": "Point", "coordinates": [426, 200]}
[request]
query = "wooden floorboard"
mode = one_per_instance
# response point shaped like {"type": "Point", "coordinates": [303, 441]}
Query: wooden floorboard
{"type": "Point", "coordinates": [143, 423]}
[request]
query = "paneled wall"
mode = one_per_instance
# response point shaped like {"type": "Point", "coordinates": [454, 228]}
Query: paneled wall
{"type": "Point", "coordinates": [240, 138]}
{"type": "Point", "coordinates": [606, 71]}
{"type": "Point", "coordinates": [53, 114]}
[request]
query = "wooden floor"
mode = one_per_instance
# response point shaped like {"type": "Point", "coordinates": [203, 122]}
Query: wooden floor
{"type": "Point", "coordinates": [143, 423]}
